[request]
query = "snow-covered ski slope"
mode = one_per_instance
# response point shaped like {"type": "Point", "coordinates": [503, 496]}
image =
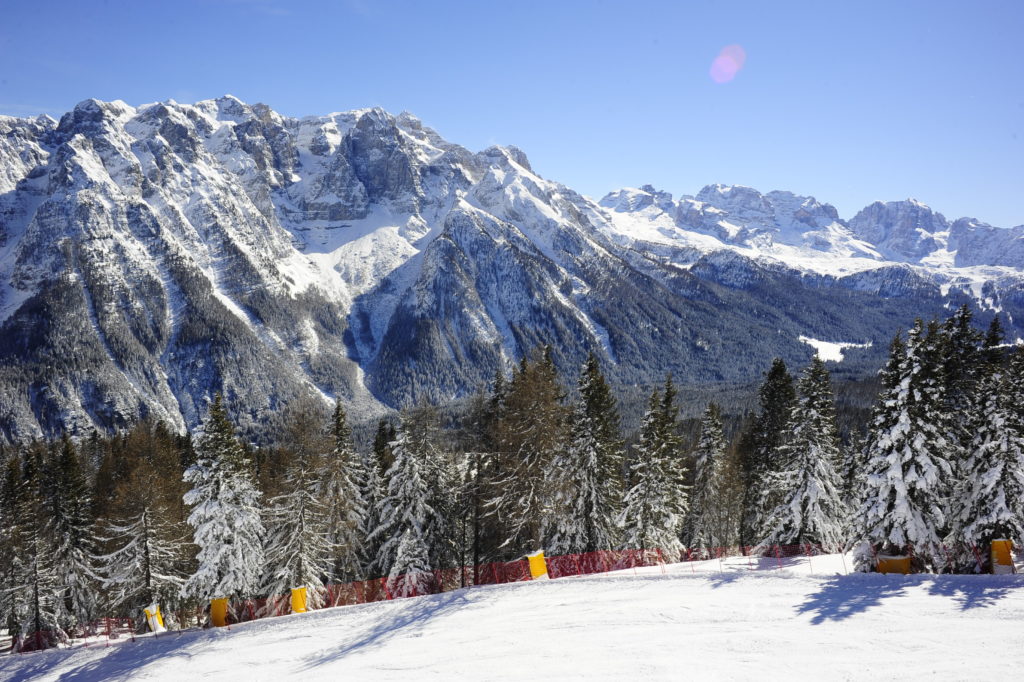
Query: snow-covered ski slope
{"type": "Point", "coordinates": [706, 620]}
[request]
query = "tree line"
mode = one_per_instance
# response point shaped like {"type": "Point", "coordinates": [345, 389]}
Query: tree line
{"type": "Point", "coordinates": [107, 526]}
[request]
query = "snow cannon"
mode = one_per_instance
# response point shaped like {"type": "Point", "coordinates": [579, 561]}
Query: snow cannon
{"type": "Point", "coordinates": [298, 600]}
{"type": "Point", "coordinates": [538, 565]}
{"type": "Point", "coordinates": [154, 618]}
{"type": "Point", "coordinates": [219, 612]}
{"type": "Point", "coordinates": [893, 564]}
{"type": "Point", "coordinates": [1002, 557]}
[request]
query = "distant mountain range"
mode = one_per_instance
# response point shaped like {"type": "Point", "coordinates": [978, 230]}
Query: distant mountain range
{"type": "Point", "coordinates": [152, 256]}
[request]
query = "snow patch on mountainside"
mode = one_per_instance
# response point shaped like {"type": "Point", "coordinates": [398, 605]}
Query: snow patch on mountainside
{"type": "Point", "coordinates": [831, 351]}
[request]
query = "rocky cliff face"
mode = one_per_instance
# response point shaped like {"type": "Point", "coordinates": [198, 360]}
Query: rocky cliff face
{"type": "Point", "coordinates": [152, 256]}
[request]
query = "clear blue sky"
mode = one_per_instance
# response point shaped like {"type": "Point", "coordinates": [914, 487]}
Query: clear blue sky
{"type": "Point", "coordinates": [847, 101]}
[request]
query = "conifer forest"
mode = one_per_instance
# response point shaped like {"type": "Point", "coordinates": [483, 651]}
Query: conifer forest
{"type": "Point", "coordinates": [109, 524]}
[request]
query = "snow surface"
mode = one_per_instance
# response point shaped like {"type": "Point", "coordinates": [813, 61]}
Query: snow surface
{"type": "Point", "coordinates": [710, 620]}
{"type": "Point", "coordinates": [831, 351]}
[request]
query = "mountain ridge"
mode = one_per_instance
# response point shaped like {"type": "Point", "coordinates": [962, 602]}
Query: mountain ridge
{"type": "Point", "coordinates": [151, 256]}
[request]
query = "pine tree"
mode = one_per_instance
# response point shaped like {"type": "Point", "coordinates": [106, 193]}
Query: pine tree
{"type": "Point", "coordinates": [12, 562]}
{"type": "Point", "coordinates": [759, 447]}
{"type": "Point", "coordinates": [990, 497]}
{"type": "Point", "coordinates": [145, 565]}
{"type": "Point", "coordinates": [298, 550]}
{"type": "Point", "coordinates": [75, 553]}
{"type": "Point", "coordinates": [531, 432]}
{"type": "Point", "coordinates": [37, 602]}
{"type": "Point", "coordinates": [443, 480]}
{"type": "Point", "coordinates": [371, 492]}
{"type": "Point", "coordinates": [406, 519]}
{"type": "Point", "coordinates": [382, 441]}
{"type": "Point", "coordinates": [583, 480]}
{"type": "Point", "coordinates": [809, 481]}
{"type": "Point", "coordinates": [482, 438]}
{"type": "Point", "coordinates": [147, 553]}
{"type": "Point", "coordinates": [656, 504]}
{"type": "Point", "coordinates": [907, 459]}
{"type": "Point", "coordinates": [342, 490]}
{"type": "Point", "coordinates": [964, 369]}
{"type": "Point", "coordinates": [703, 530]}
{"type": "Point", "coordinates": [225, 514]}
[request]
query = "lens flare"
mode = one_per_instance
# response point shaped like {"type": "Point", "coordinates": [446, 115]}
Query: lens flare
{"type": "Point", "coordinates": [728, 63]}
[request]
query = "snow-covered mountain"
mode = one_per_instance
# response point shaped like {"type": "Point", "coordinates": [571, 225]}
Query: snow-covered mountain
{"type": "Point", "coordinates": [152, 256]}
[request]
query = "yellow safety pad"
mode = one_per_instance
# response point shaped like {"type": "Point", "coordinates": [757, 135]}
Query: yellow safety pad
{"type": "Point", "coordinates": [538, 566]}
{"type": "Point", "coordinates": [298, 600]}
{"type": "Point", "coordinates": [894, 564]}
{"type": "Point", "coordinates": [1002, 553]}
{"type": "Point", "coordinates": [219, 612]}
{"type": "Point", "coordinates": [154, 618]}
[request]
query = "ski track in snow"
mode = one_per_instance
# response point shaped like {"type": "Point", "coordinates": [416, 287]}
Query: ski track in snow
{"type": "Point", "coordinates": [709, 620]}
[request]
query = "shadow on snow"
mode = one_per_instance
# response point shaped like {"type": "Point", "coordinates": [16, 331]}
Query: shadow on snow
{"type": "Point", "coordinates": [845, 596]}
{"type": "Point", "coordinates": [409, 616]}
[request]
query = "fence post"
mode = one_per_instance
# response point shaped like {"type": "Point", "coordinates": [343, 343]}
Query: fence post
{"type": "Point", "coordinates": [384, 584]}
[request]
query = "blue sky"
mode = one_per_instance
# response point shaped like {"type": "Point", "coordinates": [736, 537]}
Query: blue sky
{"type": "Point", "coordinates": [847, 101]}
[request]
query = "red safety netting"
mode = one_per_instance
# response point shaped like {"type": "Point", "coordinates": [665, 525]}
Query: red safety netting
{"type": "Point", "coordinates": [763, 557]}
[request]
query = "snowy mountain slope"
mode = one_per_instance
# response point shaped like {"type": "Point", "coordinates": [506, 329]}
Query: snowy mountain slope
{"type": "Point", "coordinates": [152, 256]}
{"type": "Point", "coordinates": [801, 233]}
{"type": "Point", "coordinates": [714, 622]}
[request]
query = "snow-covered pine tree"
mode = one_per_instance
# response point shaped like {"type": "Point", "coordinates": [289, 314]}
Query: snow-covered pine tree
{"type": "Point", "coordinates": [992, 349]}
{"type": "Point", "coordinates": [906, 459]}
{"type": "Point", "coordinates": [35, 616]}
{"type": "Point", "coordinates": [298, 550]}
{"type": "Point", "coordinates": [443, 479]}
{"type": "Point", "coordinates": [406, 520]}
{"type": "Point", "coordinates": [656, 503]}
{"type": "Point", "coordinates": [343, 482]}
{"type": "Point", "coordinates": [225, 514]}
{"type": "Point", "coordinates": [990, 497]}
{"type": "Point", "coordinates": [703, 530]}
{"type": "Point", "coordinates": [962, 364]}
{"type": "Point", "coordinates": [964, 369]}
{"type": "Point", "coordinates": [970, 419]}
{"type": "Point", "coordinates": [410, 573]}
{"type": "Point", "coordinates": [145, 564]}
{"type": "Point", "coordinates": [809, 481]}
{"type": "Point", "coordinates": [570, 519]}
{"type": "Point", "coordinates": [12, 565]}
{"type": "Point", "coordinates": [75, 558]}
{"type": "Point", "coordinates": [584, 480]}
{"type": "Point", "coordinates": [759, 446]}
{"type": "Point", "coordinates": [371, 492]}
